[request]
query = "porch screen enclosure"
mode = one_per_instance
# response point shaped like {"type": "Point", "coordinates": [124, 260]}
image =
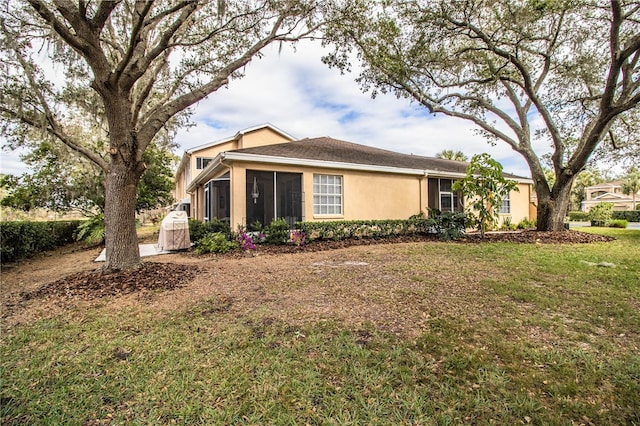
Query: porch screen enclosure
{"type": "Point", "coordinates": [273, 195]}
{"type": "Point", "coordinates": [217, 199]}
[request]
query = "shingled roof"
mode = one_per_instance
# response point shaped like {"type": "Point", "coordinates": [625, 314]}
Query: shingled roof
{"type": "Point", "coordinates": [334, 150]}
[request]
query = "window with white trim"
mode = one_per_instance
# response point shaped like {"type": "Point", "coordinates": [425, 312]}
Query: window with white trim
{"type": "Point", "coordinates": [202, 162]}
{"type": "Point", "coordinates": [448, 198]}
{"type": "Point", "coordinates": [327, 195]}
{"type": "Point", "coordinates": [505, 206]}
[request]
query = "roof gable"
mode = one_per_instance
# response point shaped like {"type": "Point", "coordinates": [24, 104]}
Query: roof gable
{"type": "Point", "coordinates": [239, 134]}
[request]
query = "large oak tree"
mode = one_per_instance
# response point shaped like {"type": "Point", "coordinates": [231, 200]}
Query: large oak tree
{"type": "Point", "coordinates": [528, 73]}
{"type": "Point", "coordinates": [125, 70]}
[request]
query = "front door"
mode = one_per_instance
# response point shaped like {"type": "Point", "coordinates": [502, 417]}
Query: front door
{"type": "Point", "coordinates": [273, 195]}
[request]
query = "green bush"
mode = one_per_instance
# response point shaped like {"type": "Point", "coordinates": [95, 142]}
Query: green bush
{"type": "Point", "coordinates": [618, 223]}
{"type": "Point", "coordinates": [198, 229]}
{"type": "Point", "coordinates": [601, 214]}
{"type": "Point", "coordinates": [526, 224]}
{"type": "Point", "coordinates": [278, 232]}
{"type": "Point", "coordinates": [20, 240]}
{"type": "Point", "coordinates": [578, 216]}
{"type": "Point", "coordinates": [628, 215]}
{"type": "Point", "coordinates": [447, 226]}
{"type": "Point", "coordinates": [507, 224]}
{"type": "Point", "coordinates": [91, 231]}
{"type": "Point", "coordinates": [216, 243]}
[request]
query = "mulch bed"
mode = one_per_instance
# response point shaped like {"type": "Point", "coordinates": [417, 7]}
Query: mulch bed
{"type": "Point", "coordinates": [540, 237]}
{"type": "Point", "coordinates": [150, 276]}
{"type": "Point", "coordinates": [521, 237]}
{"type": "Point", "coordinates": [153, 276]}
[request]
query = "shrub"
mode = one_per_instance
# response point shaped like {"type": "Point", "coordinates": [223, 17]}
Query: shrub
{"type": "Point", "coordinates": [216, 242]}
{"type": "Point", "coordinates": [526, 224]}
{"type": "Point", "coordinates": [245, 240]}
{"type": "Point", "coordinates": [618, 223]}
{"type": "Point", "coordinates": [447, 226]}
{"type": "Point", "coordinates": [91, 231]}
{"type": "Point", "coordinates": [278, 232]}
{"type": "Point", "coordinates": [20, 240]}
{"type": "Point", "coordinates": [507, 225]}
{"type": "Point", "coordinates": [628, 215]}
{"type": "Point", "coordinates": [601, 214]}
{"type": "Point", "coordinates": [198, 229]}
{"type": "Point", "coordinates": [578, 216]}
{"type": "Point", "coordinates": [299, 238]}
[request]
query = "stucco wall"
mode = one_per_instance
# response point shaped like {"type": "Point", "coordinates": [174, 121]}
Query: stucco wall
{"type": "Point", "coordinates": [261, 137]}
{"type": "Point", "coordinates": [365, 195]}
{"type": "Point", "coordinates": [210, 152]}
{"type": "Point", "coordinates": [519, 204]}
{"type": "Point", "coordinates": [381, 196]}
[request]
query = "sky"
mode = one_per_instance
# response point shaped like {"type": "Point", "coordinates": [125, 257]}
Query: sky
{"type": "Point", "coordinates": [296, 92]}
{"type": "Point", "coordinates": [293, 90]}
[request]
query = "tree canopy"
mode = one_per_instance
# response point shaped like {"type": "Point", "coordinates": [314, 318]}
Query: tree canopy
{"type": "Point", "coordinates": [105, 78]}
{"type": "Point", "coordinates": [450, 154]}
{"type": "Point", "coordinates": [532, 74]}
{"type": "Point", "coordinates": [62, 180]}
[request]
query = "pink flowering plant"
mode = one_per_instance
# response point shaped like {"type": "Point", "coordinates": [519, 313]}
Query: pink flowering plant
{"type": "Point", "coordinates": [298, 238]}
{"type": "Point", "coordinates": [245, 240]}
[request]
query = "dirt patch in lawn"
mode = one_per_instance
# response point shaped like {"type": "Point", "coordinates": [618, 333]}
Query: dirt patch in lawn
{"type": "Point", "coordinates": [292, 283]}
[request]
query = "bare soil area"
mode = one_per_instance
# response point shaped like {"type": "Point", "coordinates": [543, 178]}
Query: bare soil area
{"type": "Point", "coordinates": [294, 282]}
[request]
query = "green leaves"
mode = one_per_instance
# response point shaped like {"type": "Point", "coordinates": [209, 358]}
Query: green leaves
{"type": "Point", "coordinates": [21, 240]}
{"type": "Point", "coordinates": [446, 226]}
{"type": "Point", "coordinates": [484, 188]}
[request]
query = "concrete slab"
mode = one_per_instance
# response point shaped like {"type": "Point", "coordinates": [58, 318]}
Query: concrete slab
{"type": "Point", "coordinates": [145, 251]}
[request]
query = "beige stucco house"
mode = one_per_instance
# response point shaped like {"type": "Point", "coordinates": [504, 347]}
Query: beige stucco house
{"type": "Point", "coordinates": [609, 192]}
{"type": "Point", "coordinates": [263, 173]}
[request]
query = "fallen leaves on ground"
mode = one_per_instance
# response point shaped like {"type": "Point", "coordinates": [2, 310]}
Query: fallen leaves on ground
{"type": "Point", "coordinates": [96, 284]}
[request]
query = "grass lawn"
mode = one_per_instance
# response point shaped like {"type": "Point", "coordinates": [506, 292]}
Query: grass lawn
{"type": "Point", "coordinates": [504, 334]}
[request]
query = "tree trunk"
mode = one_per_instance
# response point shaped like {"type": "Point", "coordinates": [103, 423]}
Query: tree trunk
{"type": "Point", "coordinates": [121, 241]}
{"type": "Point", "coordinates": [553, 207]}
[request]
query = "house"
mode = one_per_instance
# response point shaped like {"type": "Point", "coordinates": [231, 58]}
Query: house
{"type": "Point", "coordinates": [609, 192]}
{"type": "Point", "coordinates": [264, 173]}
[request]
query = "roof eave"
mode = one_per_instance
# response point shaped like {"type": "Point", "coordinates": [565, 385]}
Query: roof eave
{"type": "Point", "coordinates": [211, 168]}
{"type": "Point", "coordinates": [257, 158]}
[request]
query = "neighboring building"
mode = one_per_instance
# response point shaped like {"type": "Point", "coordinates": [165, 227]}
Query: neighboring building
{"type": "Point", "coordinates": [609, 192]}
{"type": "Point", "coordinates": [262, 173]}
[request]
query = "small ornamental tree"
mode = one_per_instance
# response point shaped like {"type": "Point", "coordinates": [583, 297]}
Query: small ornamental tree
{"type": "Point", "coordinates": [485, 187]}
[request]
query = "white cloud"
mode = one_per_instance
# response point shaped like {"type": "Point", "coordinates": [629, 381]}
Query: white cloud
{"type": "Point", "coordinates": [299, 94]}
{"type": "Point", "coordinates": [10, 162]}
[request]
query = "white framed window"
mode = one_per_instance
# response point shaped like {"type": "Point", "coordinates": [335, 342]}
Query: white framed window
{"type": "Point", "coordinates": [202, 162]}
{"type": "Point", "coordinates": [505, 206]}
{"type": "Point", "coordinates": [327, 195]}
{"type": "Point", "coordinates": [448, 198]}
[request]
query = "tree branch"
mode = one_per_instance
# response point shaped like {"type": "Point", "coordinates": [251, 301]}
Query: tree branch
{"type": "Point", "coordinates": [131, 73]}
{"type": "Point", "coordinates": [59, 134]}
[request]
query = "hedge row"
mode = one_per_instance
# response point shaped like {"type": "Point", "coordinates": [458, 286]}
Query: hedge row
{"type": "Point", "coordinates": [20, 240]}
{"type": "Point", "coordinates": [628, 215]}
{"type": "Point", "coordinates": [447, 226]}
{"type": "Point", "coordinates": [578, 216]}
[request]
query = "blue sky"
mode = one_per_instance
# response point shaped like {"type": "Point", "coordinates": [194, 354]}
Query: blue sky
{"type": "Point", "coordinates": [297, 93]}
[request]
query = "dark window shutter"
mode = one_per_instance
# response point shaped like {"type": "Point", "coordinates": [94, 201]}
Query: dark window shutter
{"type": "Point", "coordinates": [433, 191]}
